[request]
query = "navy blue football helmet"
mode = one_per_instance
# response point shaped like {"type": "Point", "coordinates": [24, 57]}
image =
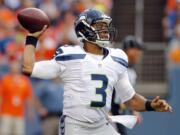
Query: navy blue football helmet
{"type": "Point", "coordinates": [85, 30]}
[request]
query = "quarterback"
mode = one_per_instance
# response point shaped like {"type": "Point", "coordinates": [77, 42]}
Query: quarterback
{"type": "Point", "coordinates": [89, 74]}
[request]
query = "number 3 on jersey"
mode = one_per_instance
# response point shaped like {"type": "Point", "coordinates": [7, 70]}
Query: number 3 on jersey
{"type": "Point", "coordinates": [101, 90]}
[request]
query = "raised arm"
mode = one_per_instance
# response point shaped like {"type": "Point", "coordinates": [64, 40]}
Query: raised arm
{"type": "Point", "coordinates": [48, 69]}
{"type": "Point", "coordinates": [28, 59]}
{"type": "Point", "coordinates": [29, 51]}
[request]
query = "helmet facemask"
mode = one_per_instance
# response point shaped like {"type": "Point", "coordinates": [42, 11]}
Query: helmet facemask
{"type": "Point", "coordinates": [105, 33]}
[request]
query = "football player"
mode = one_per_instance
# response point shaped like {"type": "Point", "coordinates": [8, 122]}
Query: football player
{"type": "Point", "coordinates": [89, 74]}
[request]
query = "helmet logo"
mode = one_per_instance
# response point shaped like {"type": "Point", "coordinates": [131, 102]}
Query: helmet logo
{"type": "Point", "coordinates": [82, 18]}
{"type": "Point", "coordinates": [104, 16]}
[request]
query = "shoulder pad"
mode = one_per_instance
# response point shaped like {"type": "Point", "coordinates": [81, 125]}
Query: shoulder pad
{"type": "Point", "coordinates": [68, 49]}
{"type": "Point", "coordinates": [119, 56]}
{"type": "Point", "coordinates": [68, 52]}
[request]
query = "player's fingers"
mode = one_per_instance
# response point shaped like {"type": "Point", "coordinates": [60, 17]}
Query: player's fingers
{"type": "Point", "coordinates": [44, 28]}
{"type": "Point", "coordinates": [156, 99]}
{"type": "Point", "coordinates": [162, 103]}
{"type": "Point", "coordinates": [39, 33]}
{"type": "Point", "coordinates": [168, 108]}
{"type": "Point", "coordinates": [158, 103]}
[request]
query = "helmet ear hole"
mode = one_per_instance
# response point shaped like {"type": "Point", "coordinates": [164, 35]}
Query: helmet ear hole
{"type": "Point", "coordinates": [82, 31]}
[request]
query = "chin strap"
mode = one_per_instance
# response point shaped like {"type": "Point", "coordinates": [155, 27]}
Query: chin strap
{"type": "Point", "coordinates": [102, 43]}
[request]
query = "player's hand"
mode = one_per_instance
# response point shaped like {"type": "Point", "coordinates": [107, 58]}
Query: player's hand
{"type": "Point", "coordinates": [38, 33]}
{"type": "Point", "coordinates": [138, 115]}
{"type": "Point", "coordinates": [160, 105]}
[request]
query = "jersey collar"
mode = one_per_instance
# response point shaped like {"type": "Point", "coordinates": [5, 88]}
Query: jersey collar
{"type": "Point", "coordinates": [105, 53]}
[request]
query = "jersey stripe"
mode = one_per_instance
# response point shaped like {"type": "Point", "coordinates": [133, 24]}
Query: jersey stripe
{"type": "Point", "coordinates": [62, 124]}
{"type": "Point", "coordinates": [70, 57]}
{"type": "Point", "coordinates": [58, 51]}
{"type": "Point", "coordinates": [120, 61]}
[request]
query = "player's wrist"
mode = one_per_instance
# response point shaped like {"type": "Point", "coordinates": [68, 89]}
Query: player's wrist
{"type": "Point", "coordinates": [148, 106]}
{"type": "Point", "coordinates": [31, 40]}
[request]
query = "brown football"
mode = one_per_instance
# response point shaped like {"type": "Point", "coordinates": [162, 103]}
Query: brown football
{"type": "Point", "coordinates": [33, 19]}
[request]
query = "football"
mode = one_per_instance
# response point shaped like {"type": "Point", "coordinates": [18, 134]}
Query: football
{"type": "Point", "coordinates": [32, 19]}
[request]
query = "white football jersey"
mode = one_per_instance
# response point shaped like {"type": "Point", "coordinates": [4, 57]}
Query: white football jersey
{"type": "Point", "coordinates": [132, 76]}
{"type": "Point", "coordinates": [88, 81]}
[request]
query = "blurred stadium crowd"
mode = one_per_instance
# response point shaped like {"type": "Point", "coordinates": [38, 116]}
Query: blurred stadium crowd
{"type": "Point", "coordinates": [171, 25]}
{"type": "Point", "coordinates": [62, 14]}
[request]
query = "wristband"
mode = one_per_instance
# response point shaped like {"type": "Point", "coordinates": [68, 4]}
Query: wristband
{"type": "Point", "coordinates": [148, 106]}
{"type": "Point", "coordinates": [30, 40]}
